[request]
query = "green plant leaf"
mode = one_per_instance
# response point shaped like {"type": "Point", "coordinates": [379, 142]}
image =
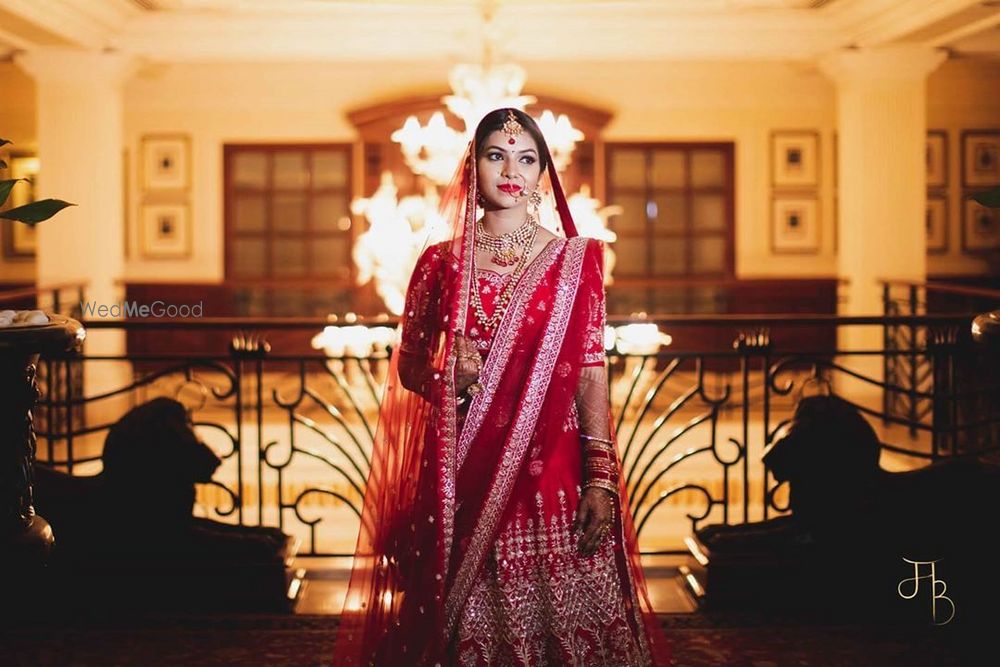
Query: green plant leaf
{"type": "Point", "coordinates": [988, 198]}
{"type": "Point", "coordinates": [35, 212]}
{"type": "Point", "coordinates": [5, 188]}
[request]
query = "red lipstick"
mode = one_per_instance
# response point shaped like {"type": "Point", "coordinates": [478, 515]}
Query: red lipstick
{"type": "Point", "coordinates": [509, 188]}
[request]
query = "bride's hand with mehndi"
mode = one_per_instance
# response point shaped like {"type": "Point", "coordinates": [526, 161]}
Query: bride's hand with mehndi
{"type": "Point", "coordinates": [467, 365]}
{"type": "Point", "coordinates": [595, 518]}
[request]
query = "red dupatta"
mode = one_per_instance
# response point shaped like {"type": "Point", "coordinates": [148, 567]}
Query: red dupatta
{"type": "Point", "coordinates": [436, 494]}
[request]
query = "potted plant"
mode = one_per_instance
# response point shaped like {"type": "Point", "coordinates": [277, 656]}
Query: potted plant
{"type": "Point", "coordinates": [25, 539]}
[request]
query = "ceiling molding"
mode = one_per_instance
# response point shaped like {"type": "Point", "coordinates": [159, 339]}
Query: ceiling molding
{"type": "Point", "coordinates": [878, 22]}
{"type": "Point", "coordinates": [973, 21]}
{"type": "Point", "coordinates": [24, 33]}
{"type": "Point", "coordinates": [983, 44]}
{"type": "Point", "coordinates": [628, 31]}
{"type": "Point", "coordinates": [165, 31]}
{"type": "Point", "coordinates": [61, 18]}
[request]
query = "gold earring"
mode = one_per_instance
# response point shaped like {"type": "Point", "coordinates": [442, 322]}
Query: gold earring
{"type": "Point", "coordinates": [480, 200]}
{"type": "Point", "coordinates": [535, 199]}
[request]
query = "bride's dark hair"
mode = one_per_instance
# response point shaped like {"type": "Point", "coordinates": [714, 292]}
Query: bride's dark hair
{"type": "Point", "coordinates": [495, 120]}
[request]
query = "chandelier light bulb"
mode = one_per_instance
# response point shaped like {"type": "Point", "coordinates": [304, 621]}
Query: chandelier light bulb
{"type": "Point", "coordinates": [410, 136]}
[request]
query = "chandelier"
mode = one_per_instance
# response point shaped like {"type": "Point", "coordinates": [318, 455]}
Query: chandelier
{"type": "Point", "coordinates": [399, 228]}
{"type": "Point", "coordinates": [434, 149]}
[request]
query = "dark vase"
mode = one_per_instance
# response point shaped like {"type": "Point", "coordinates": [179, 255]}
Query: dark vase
{"type": "Point", "coordinates": [25, 538]}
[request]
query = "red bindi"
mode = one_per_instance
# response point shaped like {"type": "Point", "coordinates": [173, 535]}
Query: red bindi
{"type": "Point", "coordinates": [511, 141]}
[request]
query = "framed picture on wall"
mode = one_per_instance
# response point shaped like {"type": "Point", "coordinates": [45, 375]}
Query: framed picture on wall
{"type": "Point", "coordinates": [937, 223]}
{"type": "Point", "coordinates": [836, 223]}
{"type": "Point", "coordinates": [936, 157]}
{"type": "Point", "coordinates": [836, 161]}
{"type": "Point", "coordinates": [794, 159]}
{"type": "Point", "coordinates": [794, 224]}
{"type": "Point", "coordinates": [165, 162]}
{"type": "Point", "coordinates": [980, 158]}
{"type": "Point", "coordinates": [835, 227]}
{"type": "Point", "coordinates": [165, 231]}
{"type": "Point", "coordinates": [19, 240]}
{"type": "Point", "coordinates": [126, 211]}
{"type": "Point", "coordinates": [980, 228]}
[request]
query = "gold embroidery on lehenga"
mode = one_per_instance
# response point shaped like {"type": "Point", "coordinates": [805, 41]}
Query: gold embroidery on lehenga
{"type": "Point", "coordinates": [538, 601]}
{"type": "Point", "coordinates": [572, 422]}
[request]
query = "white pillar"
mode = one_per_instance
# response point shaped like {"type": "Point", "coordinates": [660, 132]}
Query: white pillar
{"type": "Point", "coordinates": [80, 142]}
{"type": "Point", "coordinates": [881, 127]}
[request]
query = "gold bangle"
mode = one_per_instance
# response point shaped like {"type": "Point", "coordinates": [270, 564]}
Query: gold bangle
{"type": "Point", "coordinates": [601, 484]}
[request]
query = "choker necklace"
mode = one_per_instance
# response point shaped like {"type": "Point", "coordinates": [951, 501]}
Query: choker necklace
{"type": "Point", "coordinates": [504, 247]}
{"type": "Point", "coordinates": [503, 299]}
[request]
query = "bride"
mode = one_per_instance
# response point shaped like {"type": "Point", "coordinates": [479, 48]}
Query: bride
{"type": "Point", "coordinates": [493, 530]}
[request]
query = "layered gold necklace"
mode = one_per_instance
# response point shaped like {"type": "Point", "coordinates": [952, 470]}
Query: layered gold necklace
{"type": "Point", "coordinates": [503, 299]}
{"type": "Point", "coordinates": [504, 247]}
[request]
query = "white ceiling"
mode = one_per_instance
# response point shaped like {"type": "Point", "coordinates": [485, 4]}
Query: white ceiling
{"type": "Point", "coordinates": [283, 5]}
{"type": "Point", "coordinates": [525, 30]}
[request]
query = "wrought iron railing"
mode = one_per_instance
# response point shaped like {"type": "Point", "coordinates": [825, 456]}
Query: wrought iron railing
{"type": "Point", "coordinates": [295, 431]}
{"type": "Point", "coordinates": [915, 371]}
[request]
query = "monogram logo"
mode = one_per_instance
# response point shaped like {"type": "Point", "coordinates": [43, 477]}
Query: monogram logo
{"type": "Point", "coordinates": [936, 594]}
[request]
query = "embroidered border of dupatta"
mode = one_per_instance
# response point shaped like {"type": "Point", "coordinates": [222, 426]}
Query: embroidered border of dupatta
{"type": "Point", "coordinates": [520, 434]}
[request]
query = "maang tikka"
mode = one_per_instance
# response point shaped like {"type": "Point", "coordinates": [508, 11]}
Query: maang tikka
{"type": "Point", "coordinates": [512, 128]}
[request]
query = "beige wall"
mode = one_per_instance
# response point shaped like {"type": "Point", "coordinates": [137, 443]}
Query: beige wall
{"type": "Point", "coordinates": [17, 124]}
{"type": "Point", "coordinates": [219, 104]}
{"type": "Point", "coordinates": [17, 105]}
{"type": "Point", "coordinates": [962, 95]}
{"type": "Point", "coordinates": [742, 103]}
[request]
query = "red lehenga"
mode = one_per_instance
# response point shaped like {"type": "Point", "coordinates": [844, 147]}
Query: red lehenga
{"type": "Point", "coordinates": [466, 555]}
